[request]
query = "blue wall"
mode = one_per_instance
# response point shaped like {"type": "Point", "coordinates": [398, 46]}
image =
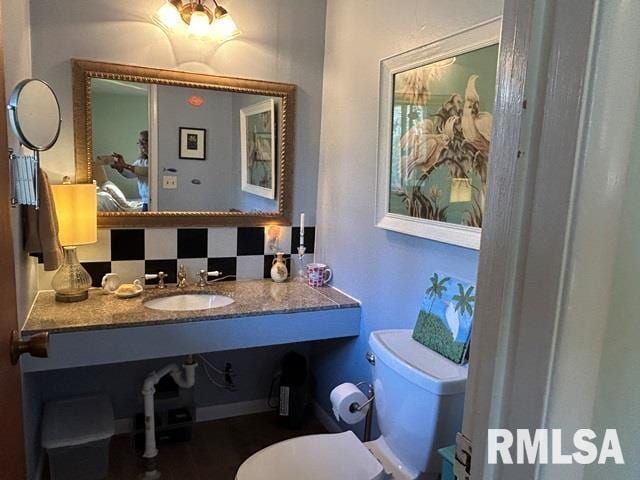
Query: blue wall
{"type": "Point", "coordinates": [386, 271]}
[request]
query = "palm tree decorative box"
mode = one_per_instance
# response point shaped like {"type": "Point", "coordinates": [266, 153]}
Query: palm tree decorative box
{"type": "Point", "coordinates": [445, 318]}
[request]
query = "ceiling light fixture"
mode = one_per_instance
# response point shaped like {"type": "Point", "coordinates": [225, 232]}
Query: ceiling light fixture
{"type": "Point", "coordinates": [201, 21]}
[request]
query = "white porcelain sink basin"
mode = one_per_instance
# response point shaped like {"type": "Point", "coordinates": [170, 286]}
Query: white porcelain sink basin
{"type": "Point", "coordinates": [189, 301]}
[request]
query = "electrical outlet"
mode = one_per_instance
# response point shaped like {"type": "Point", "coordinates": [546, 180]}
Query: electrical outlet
{"type": "Point", "coordinates": [169, 182]}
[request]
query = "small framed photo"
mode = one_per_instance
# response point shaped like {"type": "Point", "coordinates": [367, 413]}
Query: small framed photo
{"type": "Point", "coordinates": [193, 143]}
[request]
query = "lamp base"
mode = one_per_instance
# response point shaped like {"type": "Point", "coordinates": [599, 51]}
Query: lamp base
{"type": "Point", "coordinates": [72, 281]}
{"type": "Point", "coordinates": [72, 297]}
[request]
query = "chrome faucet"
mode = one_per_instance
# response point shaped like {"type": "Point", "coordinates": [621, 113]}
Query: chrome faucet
{"type": "Point", "coordinates": [182, 277]}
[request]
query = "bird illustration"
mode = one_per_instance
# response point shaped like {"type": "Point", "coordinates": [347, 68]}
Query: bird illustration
{"type": "Point", "coordinates": [476, 125]}
{"type": "Point", "coordinates": [453, 319]}
{"type": "Point", "coordinates": [412, 137]}
{"type": "Point", "coordinates": [426, 148]}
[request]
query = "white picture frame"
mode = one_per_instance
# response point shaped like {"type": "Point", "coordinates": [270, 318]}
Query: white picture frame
{"type": "Point", "coordinates": [258, 149]}
{"type": "Point", "coordinates": [469, 40]}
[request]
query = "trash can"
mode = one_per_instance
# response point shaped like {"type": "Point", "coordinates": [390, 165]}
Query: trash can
{"type": "Point", "coordinates": [448, 455]}
{"type": "Point", "coordinates": [76, 433]}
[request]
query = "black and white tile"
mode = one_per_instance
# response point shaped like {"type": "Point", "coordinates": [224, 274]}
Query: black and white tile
{"type": "Point", "coordinates": [222, 242]}
{"type": "Point", "coordinates": [250, 241]}
{"type": "Point", "coordinates": [228, 266]}
{"type": "Point", "coordinates": [192, 243]}
{"type": "Point", "coordinates": [242, 252]}
{"type": "Point", "coordinates": [160, 243]}
{"type": "Point", "coordinates": [127, 244]}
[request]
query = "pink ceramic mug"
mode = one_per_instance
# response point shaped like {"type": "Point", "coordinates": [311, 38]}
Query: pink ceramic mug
{"type": "Point", "coordinates": [318, 274]}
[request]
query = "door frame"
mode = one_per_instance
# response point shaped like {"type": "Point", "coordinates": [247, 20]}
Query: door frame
{"type": "Point", "coordinates": [546, 262]}
{"type": "Point", "coordinates": [154, 175]}
{"type": "Point", "coordinates": [12, 446]}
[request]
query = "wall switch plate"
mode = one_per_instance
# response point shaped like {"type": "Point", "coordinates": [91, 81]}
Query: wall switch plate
{"type": "Point", "coordinates": [169, 182]}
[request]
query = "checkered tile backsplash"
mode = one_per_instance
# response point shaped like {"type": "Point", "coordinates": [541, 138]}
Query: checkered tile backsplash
{"type": "Point", "coordinates": [245, 252]}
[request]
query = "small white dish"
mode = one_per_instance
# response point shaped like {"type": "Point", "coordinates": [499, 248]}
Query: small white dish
{"type": "Point", "coordinates": [129, 293]}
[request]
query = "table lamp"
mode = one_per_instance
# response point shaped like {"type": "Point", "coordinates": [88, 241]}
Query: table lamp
{"type": "Point", "coordinates": [76, 209]}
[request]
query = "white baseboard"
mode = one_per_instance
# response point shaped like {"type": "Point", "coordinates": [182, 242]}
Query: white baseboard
{"type": "Point", "coordinates": [325, 419]}
{"type": "Point", "coordinates": [227, 410]}
{"type": "Point", "coordinates": [212, 412]}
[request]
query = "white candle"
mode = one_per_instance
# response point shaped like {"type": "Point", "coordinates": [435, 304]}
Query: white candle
{"type": "Point", "coordinates": [301, 229]}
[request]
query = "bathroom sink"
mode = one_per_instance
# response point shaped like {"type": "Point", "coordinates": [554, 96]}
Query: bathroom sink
{"type": "Point", "coordinates": [189, 301]}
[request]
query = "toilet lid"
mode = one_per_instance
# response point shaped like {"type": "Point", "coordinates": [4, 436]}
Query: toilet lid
{"type": "Point", "coordinates": [313, 457]}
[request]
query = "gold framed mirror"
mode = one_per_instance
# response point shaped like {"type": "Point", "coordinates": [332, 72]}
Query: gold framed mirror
{"type": "Point", "coordinates": [170, 148]}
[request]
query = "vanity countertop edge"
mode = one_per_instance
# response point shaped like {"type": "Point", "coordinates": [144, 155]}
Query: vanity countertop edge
{"type": "Point", "coordinates": [252, 298]}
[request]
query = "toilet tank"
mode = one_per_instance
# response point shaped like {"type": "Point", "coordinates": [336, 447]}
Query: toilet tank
{"type": "Point", "coordinates": [419, 399]}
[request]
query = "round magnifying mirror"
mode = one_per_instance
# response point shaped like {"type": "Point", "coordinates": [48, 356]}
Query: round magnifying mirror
{"type": "Point", "coordinates": [34, 114]}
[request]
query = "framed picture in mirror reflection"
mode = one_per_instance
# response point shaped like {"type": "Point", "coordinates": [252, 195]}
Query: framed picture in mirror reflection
{"type": "Point", "coordinates": [193, 143]}
{"type": "Point", "coordinates": [258, 148]}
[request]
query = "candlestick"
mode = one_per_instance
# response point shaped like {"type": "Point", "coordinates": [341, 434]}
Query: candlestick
{"type": "Point", "coordinates": [302, 229]}
{"type": "Point", "coordinates": [302, 274]}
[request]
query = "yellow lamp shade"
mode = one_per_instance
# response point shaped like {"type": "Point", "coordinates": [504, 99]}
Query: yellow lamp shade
{"type": "Point", "coordinates": [76, 208]}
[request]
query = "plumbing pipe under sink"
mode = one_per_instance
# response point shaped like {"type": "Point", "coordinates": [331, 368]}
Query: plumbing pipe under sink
{"type": "Point", "coordinates": [184, 378]}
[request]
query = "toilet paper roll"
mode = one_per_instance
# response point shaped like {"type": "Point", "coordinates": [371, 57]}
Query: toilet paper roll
{"type": "Point", "coordinates": [342, 397]}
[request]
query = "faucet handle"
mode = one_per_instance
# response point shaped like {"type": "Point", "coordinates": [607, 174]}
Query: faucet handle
{"type": "Point", "coordinates": [204, 277]}
{"type": "Point", "coordinates": [160, 276]}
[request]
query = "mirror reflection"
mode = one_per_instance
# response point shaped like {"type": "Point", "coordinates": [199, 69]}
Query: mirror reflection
{"type": "Point", "coordinates": [165, 148]}
{"type": "Point", "coordinates": [35, 114]}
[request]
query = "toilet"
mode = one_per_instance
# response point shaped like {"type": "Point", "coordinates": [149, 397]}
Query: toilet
{"type": "Point", "coordinates": [419, 402]}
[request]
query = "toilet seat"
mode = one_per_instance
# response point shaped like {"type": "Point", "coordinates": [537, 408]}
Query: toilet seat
{"type": "Point", "coordinates": [328, 456]}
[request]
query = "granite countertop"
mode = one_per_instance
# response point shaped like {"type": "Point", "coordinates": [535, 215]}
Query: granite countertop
{"type": "Point", "coordinates": [252, 297]}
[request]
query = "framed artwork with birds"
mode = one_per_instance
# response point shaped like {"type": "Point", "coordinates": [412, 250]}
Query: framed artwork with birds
{"type": "Point", "coordinates": [436, 105]}
{"type": "Point", "coordinates": [446, 315]}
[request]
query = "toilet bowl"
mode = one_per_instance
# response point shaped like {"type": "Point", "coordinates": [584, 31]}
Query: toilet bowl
{"type": "Point", "coordinates": [419, 401]}
{"type": "Point", "coordinates": [326, 456]}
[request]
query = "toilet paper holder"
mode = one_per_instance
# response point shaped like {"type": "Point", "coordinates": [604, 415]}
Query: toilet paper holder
{"type": "Point", "coordinates": [356, 407]}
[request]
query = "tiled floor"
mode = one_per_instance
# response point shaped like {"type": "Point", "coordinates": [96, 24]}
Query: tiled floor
{"type": "Point", "coordinates": [215, 452]}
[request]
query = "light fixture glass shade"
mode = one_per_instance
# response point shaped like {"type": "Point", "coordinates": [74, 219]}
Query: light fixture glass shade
{"type": "Point", "coordinates": [71, 282]}
{"type": "Point", "coordinates": [224, 28]}
{"type": "Point", "coordinates": [199, 24]}
{"type": "Point", "coordinates": [168, 15]}
{"type": "Point", "coordinates": [76, 209]}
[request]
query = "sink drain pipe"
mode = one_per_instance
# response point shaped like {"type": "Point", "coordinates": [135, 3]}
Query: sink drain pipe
{"type": "Point", "coordinates": [184, 377]}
